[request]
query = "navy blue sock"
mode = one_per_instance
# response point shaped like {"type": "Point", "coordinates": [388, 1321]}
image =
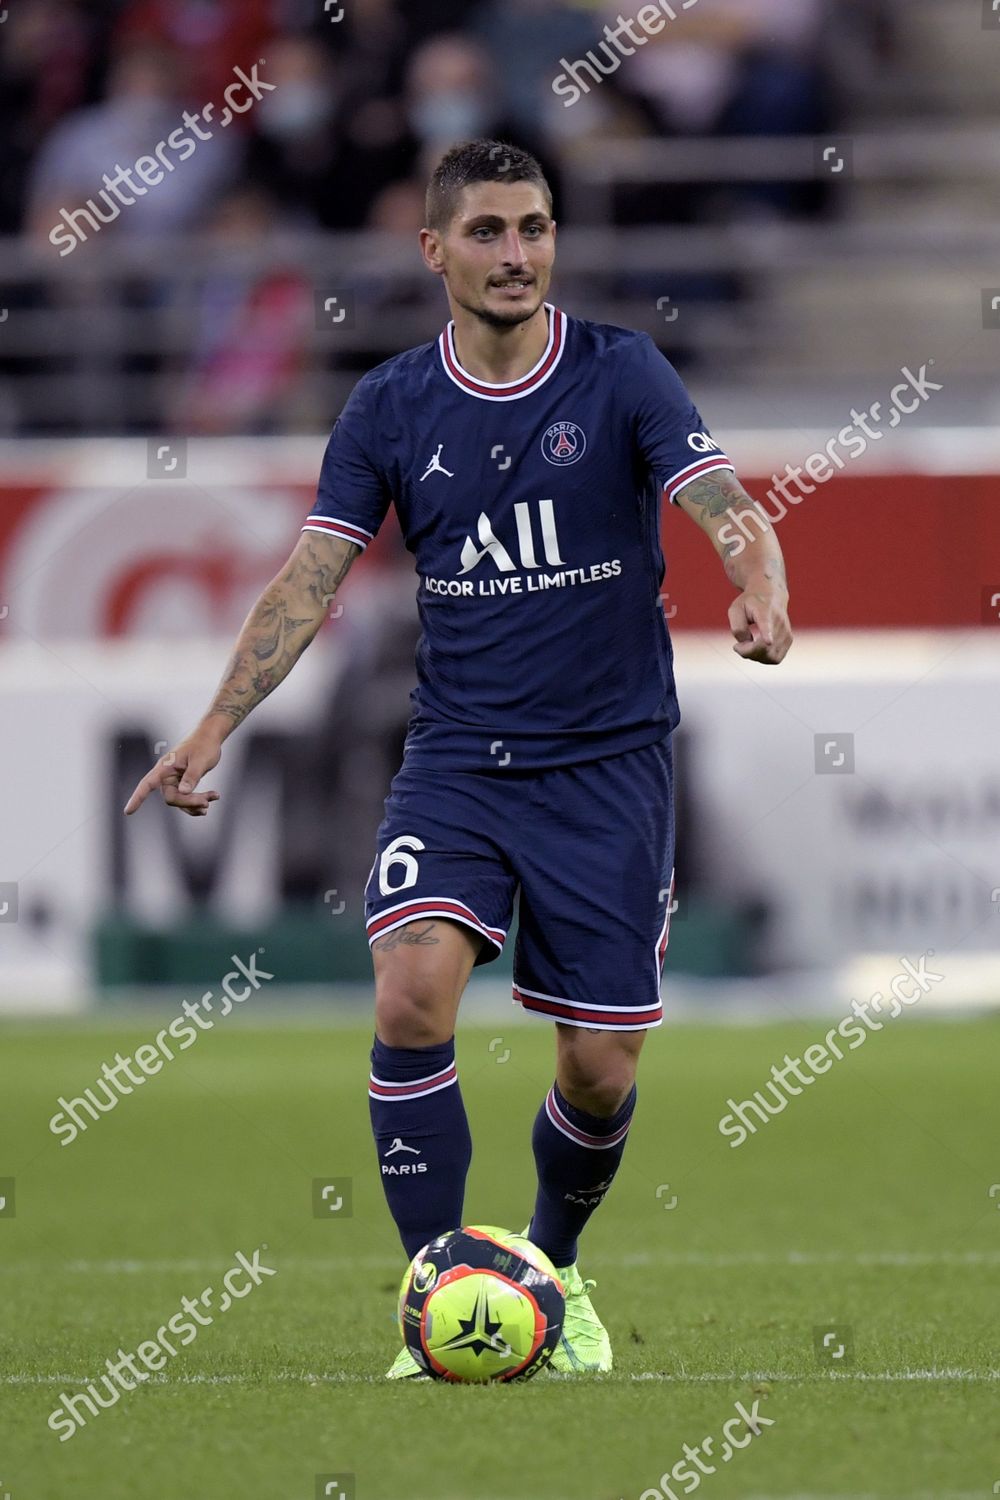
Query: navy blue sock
{"type": "Point", "coordinates": [422, 1138]}
{"type": "Point", "coordinates": [577, 1156]}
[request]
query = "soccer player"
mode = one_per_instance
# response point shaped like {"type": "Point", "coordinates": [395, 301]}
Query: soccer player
{"type": "Point", "coordinates": [526, 453]}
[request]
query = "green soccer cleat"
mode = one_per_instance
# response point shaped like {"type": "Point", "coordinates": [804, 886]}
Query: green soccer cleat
{"type": "Point", "coordinates": [584, 1346]}
{"type": "Point", "coordinates": [405, 1367]}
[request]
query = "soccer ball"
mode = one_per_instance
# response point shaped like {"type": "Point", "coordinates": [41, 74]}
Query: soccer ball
{"type": "Point", "coordinates": [481, 1304]}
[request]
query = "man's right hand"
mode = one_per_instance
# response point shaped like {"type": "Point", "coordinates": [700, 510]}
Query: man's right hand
{"type": "Point", "coordinates": [178, 773]}
{"type": "Point", "coordinates": [286, 617]}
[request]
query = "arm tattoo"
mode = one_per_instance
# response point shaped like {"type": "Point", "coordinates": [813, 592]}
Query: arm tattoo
{"type": "Point", "coordinates": [774, 568]}
{"type": "Point", "coordinates": [716, 494]}
{"type": "Point", "coordinates": [319, 570]}
{"type": "Point", "coordinates": [410, 933]}
{"type": "Point", "coordinates": [283, 622]}
{"type": "Point", "coordinates": [720, 493]}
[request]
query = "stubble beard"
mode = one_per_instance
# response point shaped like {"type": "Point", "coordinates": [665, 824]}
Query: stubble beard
{"type": "Point", "coordinates": [500, 320]}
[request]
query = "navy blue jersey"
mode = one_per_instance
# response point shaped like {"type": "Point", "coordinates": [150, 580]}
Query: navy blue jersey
{"type": "Point", "coordinates": [533, 511]}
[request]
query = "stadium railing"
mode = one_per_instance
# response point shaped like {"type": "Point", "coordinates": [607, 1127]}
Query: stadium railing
{"type": "Point", "coordinates": [96, 352]}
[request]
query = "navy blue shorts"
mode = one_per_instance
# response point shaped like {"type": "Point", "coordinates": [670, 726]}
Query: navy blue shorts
{"type": "Point", "coordinates": [588, 849]}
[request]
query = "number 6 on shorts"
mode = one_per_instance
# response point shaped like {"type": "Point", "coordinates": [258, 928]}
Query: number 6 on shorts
{"type": "Point", "coordinates": [393, 855]}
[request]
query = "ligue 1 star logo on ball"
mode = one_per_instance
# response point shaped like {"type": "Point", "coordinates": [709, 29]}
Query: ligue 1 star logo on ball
{"type": "Point", "coordinates": [481, 1304]}
{"type": "Point", "coordinates": [564, 443]}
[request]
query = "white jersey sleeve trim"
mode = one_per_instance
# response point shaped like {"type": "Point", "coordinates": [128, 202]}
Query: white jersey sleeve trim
{"type": "Point", "coordinates": [345, 529]}
{"type": "Point", "coordinates": [694, 471]}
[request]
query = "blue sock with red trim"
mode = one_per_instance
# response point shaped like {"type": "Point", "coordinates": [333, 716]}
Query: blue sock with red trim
{"type": "Point", "coordinates": [422, 1138]}
{"type": "Point", "coordinates": [577, 1156]}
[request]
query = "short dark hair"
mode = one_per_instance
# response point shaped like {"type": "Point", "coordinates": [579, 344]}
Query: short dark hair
{"type": "Point", "coordinates": [478, 161]}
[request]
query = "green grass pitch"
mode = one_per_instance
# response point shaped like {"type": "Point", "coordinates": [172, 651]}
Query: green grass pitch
{"type": "Point", "coordinates": [863, 1210]}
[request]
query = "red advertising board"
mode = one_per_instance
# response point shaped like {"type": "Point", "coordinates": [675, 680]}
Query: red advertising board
{"type": "Point", "coordinates": [180, 560]}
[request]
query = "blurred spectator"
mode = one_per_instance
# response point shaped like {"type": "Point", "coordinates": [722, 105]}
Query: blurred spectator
{"type": "Point", "coordinates": [47, 47]}
{"type": "Point", "coordinates": [210, 37]}
{"type": "Point", "coordinates": [452, 96]}
{"type": "Point", "coordinates": [733, 67]}
{"type": "Point", "coordinates": [363, 108]}
{"type": "Point", "coordinates": [527, 39]}
{"type": "Point", "coordinates": [427, 18]}
{"type": "Point", "coordinates": [730, 67]}
{"type": "Point", "coordinates": [144, 105]}
{"type": "Point", "coordinates": [292, 151]}
{"type": "Point", "coordinates": [373, 36]}
{"type": "Point", "coordinates": [332, 135]}
{"type": "Point", "coordinates": [399, 210]}
{"type": "Point", "coordinates": [336, 151]}
{"type": "Point", "coordinates": [371, 125]}
{"type": "Point", "coordinates": [253, 329]}
{"type": "Point", "coordinates": [383, 287]}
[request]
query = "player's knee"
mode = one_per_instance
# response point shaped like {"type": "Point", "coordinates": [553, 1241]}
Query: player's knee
{"type": "Point", "coordinates": [406, 1017]}
{"type": "Point", "coordinates": [599, 1089]}
{"type": "Point", "coordinates": [596, 1070]}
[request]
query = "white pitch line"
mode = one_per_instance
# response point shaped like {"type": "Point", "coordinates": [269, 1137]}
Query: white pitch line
{"type": "Point", "coordinates": [709, 1260]}
{"type": "Point", "coordinates": [724, 1260]}
{"type": "Point", "coordinates": [730, 1377]}
{"type": "Point", "coordinates": [913, 1495]}
{"type": "Point", "coordinates": [777, 1378]}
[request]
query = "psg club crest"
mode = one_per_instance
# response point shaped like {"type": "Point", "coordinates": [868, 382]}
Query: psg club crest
{"type": "Point", "coordinates": [564, 443]}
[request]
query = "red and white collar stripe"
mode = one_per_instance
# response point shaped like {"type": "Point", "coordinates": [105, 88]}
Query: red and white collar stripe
{"type": "Point", "coordinates": [514, 390]}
